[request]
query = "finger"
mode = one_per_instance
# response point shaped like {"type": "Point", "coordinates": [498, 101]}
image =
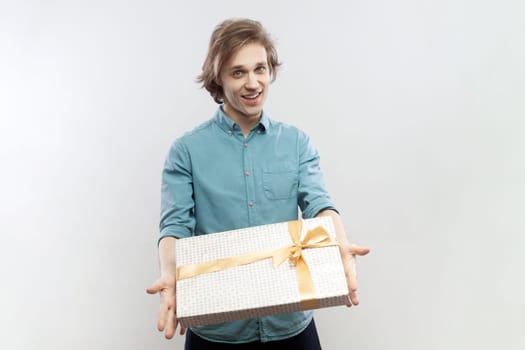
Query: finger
{"type": "Point", "coordinates": [358, 250]}
{"type": "Point", "coordinates": [171, 323]}
{"type": "Point", "coordinates": [351, 279]}
{"type": "Point", "coordinates": [163, 314]}
{"type": "Point", "coordinates": [352, 287]}
{"type": "Point", "coordinates": [154, 288]}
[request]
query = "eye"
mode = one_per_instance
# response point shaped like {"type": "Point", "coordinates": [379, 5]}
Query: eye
{"type": "Point", "coordinates": [237, 74]}
{"type": "Point", "coordinates": [260, 69]}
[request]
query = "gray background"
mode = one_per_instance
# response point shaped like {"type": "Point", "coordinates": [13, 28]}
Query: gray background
{"type": "Point", "coordinates": [415, 106]}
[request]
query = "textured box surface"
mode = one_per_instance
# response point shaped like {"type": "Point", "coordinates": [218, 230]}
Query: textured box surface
{"type": "Point", "coordinates": [257, 288]}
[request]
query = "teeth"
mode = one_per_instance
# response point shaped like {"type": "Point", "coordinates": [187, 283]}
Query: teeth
{"type": "Point", "coordinates": [252, 96]}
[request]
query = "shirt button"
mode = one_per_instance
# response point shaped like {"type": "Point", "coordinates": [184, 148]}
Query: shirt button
{"type": "Point", "coordinates": [250, 203]}
{"type": "Point", "coordinates": [245, 145]}
{"type": "Point", "coordinates": [258, 131]}
{"type": "Point", "coordinates": [229, 132]}
{"type": "Point", "coordinates": [247, 173]}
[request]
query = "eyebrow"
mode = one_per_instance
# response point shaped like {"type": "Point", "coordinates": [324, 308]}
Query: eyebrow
{"type": "Point", "coordinates": [241, 67]}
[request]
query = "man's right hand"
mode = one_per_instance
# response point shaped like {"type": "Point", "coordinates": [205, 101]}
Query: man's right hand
{"type": "Point", "coordinates": [168, 322]}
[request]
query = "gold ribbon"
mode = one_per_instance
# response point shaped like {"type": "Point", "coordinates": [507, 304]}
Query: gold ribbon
{"type": "Point", "coordinates": [315, 238]}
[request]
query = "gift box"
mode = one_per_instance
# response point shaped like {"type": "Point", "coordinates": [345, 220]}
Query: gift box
{"type": "Point", "coordinates": [259, 271]}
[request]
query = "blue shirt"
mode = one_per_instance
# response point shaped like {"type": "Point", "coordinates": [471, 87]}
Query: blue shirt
{"type": "Point", "coordinates": [215, 179]}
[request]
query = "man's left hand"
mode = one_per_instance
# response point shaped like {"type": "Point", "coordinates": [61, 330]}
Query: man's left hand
{"type": "Point", "coordinates": [349, 252]}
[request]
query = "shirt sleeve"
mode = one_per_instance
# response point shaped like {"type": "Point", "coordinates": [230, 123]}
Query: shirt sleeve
{"type": "Point", "coordinates": [177, 215]}
{"type": "Point", "coordinates": [312, 194]}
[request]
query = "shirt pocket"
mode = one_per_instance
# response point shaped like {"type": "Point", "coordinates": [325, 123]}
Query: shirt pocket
{"type": "Point", "coordinates": [280, 181]}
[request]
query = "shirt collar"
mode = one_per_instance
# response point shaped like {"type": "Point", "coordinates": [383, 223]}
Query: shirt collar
{"type": "Point", "coordinates": [226, 124]}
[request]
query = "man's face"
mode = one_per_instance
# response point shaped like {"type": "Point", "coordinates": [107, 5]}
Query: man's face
{"type": "Point", "coordinates": [245, 78]}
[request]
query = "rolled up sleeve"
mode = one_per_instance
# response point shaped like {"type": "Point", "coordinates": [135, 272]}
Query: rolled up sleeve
{"type": "Point", "coordinates": [177, 204]}
{"type": "Point", "coordinates": [312, 194]}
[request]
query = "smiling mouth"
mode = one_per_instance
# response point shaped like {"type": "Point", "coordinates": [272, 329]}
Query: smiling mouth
{"type": "Point", "coordinates": [252, 97]}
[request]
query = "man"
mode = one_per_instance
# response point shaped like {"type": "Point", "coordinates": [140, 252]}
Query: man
{"type": "Point", "coordinates": [241, 169]}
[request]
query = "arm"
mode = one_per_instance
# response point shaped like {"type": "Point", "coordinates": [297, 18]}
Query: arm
{"type": "Point", "coordinates": [314, 201]}
{"type": "Point", "coordinates": [176, 221]}
{"type": "Point", "coordinates": [165, 286]}
{"type": "Point", "coordinates": [348, 254]}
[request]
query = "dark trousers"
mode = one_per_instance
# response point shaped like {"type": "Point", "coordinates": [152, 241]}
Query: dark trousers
{"type": "Point", "coordinates": [306, 340]}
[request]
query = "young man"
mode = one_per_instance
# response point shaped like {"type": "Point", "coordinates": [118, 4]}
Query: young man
{"type": "Point", "coordinates": [241, 169]}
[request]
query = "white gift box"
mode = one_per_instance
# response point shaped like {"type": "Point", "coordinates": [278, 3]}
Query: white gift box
{"type": "Point", "coordinates": [256, 288]}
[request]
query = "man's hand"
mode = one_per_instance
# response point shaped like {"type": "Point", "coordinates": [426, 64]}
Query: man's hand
{"type": "Point", "coordinates": [348, 255]}
{"type": "Point", "coordinates": [168, 322]}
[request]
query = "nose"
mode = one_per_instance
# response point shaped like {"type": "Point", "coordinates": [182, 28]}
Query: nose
{"type": "Point", "coordinates": [251, 81]}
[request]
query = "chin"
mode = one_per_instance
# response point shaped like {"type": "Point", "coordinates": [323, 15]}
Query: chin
{"type": "Point", "coordinates": [253, 113]}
